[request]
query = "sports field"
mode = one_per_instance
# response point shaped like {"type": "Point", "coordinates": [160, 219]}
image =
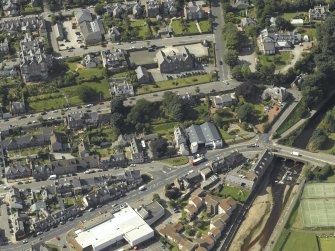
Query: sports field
{"type": "Point", "coordinates": [327, 244]}
{"type": "Point", "coordinates": [318, 205]}
{"type": "Point", "coordinates": [319, 190]}
{"type": "Point", "coordinates": [318, 212]}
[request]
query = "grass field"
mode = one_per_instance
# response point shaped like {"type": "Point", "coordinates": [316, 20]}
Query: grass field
{"type": "Point", "coordinates": [279, 60]}
{"type": "Point", "coordinates": [292, 119]}
{"type": "Point", "coordinates": [301, 241]}
{"type": "Point", "coordinates": [318, 212]}
{"type": "Point", "coordinates": [177, 161]}
{"type": "Point", "coordinates": [327, 244]}
{"type": "Point", "coordinates": [177, 27]}
{"type": "Point", "coordinates": [169, 84]}
{"type": "Point", "coordinates": [319, 190]}
{"type": "Point", "coordinates": [142, 27]}
{"type": "Point", "coordinates": [205, 26]}
{"type": "Point", "coordinates": [234, 192]}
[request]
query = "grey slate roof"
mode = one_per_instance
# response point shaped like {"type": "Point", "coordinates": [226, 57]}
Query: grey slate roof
{"type": "Point", "coordinates": [203, 133]}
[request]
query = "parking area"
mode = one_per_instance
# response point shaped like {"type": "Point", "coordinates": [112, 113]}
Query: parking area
{"type": "Point", "coordinates": [72, 37]}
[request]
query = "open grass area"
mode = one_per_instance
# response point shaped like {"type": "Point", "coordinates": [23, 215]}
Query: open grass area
{"type": "Point", "coordinates": [176, 161]}
{"type": "Point", "coordinates": [327, 244]}
{"type": "Point", "coordinates": [178, 29]}
{"type": "Point", "coordinates": [164, 128]}
{"type": "Point", "coordinates": [171, 84]}
{"type": "Point", "coordinates": [142, 28]}
{"type": "Point", "coordinates": [301, 241]}
{"type": "Point", "coordinates": [292, 119]}
{"type": "Point", "coordinates": [291, 15]}
{"type": "Point", "coordinates": [70, 95]}
{"type": "Point", "coordinates": [234, 192]}
{"type": "Point", "coordinates": [279, 60]}
{"type": "Point", "coordinates": [205, 26]}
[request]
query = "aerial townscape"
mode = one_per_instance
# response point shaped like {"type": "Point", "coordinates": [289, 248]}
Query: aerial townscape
{"type": "Point", "coordinates": [196, 125]}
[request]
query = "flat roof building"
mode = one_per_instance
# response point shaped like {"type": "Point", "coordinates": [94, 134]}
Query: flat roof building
{"type": "Point", "coordinates": [125, 224]}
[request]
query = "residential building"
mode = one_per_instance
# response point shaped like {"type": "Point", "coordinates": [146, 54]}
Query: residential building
{"type": "Point", "coordinates": [58, 31]}
{"type": "Point", "coordinates": [169, 8]}
{"type": "Point", "coordinates": [240, 4]}
{"type": "Point", "coordinates": [34, 62]}
{"type": "Point", "coordinates": [247, 21]}
{"type": "Point", "coordinates": [137, 153]}
{"type": "Point", "coordinates": [181, 141]}
{"type": "Point", "coordinates": [204, 135]}
{"type": "Point", "coordinates": [143, 76]}
{"type": "Point", "coordinates": [175, 60]}
{"type": "Point", "coordinates": [17, 108]}
{"type": "Point", "coordinates": [319, 12]}
{"type": "Point", "coordinates": [65, 166]}
{"type": "Point", "coordinates": [152, 8]}
{"type": "Point", "coordinates": [227, 206]}
{"type": "Point", "coordinates": [117, 160]}
{"type": "Point", "coordinates": [114, 60]}
{"type": "Point", "coordinates": [24, 24]}
{"type": "Point", "coordinates": [250, 178]}
{"type": "Point", "coordinates": [227, 163]}
{"type": "Point", "coordinates": [59, 142]}
{"type": "Point", "coordinates": [90, 61]}
{"type": "Point", "coordinates": [205, 172]}
{"type": "Point", "coordinates": [137, 11]}
{"type": "Point", "coordinates": [224, 100]}
{"type": "Point", "coordinates": [275, 93]}
{"type": "Point", "coordinates": [270, 42]}
{"type": "Point", "coordinates": [83, 149]}
{"type": "Point", "coordinates": [122, 89]}
{"type": "Point", "coordinates": [196, 10]}
{"type": "Point", "coordinates": [18, 171]}
{"type": "Point", "coordinates": [114, 34]}
{"type": "Point", "coordinates": [4, 47]}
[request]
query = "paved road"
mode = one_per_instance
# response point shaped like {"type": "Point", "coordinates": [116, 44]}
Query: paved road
{"type": "Point", "coordinates": [218, 23]}
{"type": "Point", "coordinates": [137, 45]}
{"type": "Point", "coordinates": [165, 177]}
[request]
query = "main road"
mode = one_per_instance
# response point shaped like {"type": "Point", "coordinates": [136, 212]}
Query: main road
{"type": "Point", "coordinates": [156, 184]}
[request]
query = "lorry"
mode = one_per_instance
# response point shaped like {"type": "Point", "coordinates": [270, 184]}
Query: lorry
{"type": "Point", "coordinates": [53, 177]}
{"type": "Point", "coordinates": [142, 188]}
{"type": "Point", "coordinates": [295, 153]}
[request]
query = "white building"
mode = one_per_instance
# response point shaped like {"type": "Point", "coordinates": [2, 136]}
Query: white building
{"type": "Point", "coordinates": [125, 224]}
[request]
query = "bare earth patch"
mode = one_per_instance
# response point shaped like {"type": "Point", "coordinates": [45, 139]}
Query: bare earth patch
{"type": "Point", "coordinates": [254, 222]}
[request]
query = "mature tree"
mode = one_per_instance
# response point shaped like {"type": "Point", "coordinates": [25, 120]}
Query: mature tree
{"type": "Point", "coordinates": [117, 105]}
{"type": "Point", "coordinates": [173, 106]}
{"type": "Point", "coordinates": [88, 94]}
{"type": "Point", "coordinates": [230, 57]}
{"type": "Point", "coordinates": [99, 9]}
{"type": "Point", "coordinates": [245, 113]}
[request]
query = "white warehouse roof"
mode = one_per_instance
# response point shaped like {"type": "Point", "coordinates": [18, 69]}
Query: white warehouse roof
{"type": "Point", "coordinates": [126, 224]}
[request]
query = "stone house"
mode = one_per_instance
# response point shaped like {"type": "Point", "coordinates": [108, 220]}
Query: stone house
{"type": "Point", "coordinates": [175, 60]}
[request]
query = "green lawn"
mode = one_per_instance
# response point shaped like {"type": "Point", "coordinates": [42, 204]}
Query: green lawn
{"type": "Point", "coordinates": [301, 241]}
{"type": "Point", "coordinates": [164, 128]}
{"type": "Point", "coordinates": [171, 84]}
{"type": "Point", "coordinates": [235, 192]}
{"type": "Point", "coordinates": [225, 135]}
{"type": "Point", "coordinates": [177, 161]}
{"type": "Point", "coordinates": [279, 60]}
{"type": "Point", "coordinates": [205, 26]}
{"type": "Point", "coordinates": [142, 27]}
{"type": "Point", "coordinates": [177, 27]}
{"type": "Point", "coordinates": [292, 119]}
{"type": "Point", "coordinates": [327, 244]}
{"type": "Point", "coordinates": [291, 15]}
{"type": "Point", "coordinates": [120, 74]}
